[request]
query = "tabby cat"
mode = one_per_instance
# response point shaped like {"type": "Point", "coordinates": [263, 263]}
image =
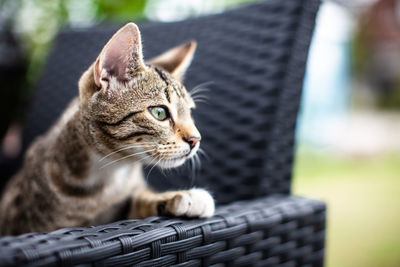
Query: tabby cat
{"type": "Point", "coordinates": [88, 168]}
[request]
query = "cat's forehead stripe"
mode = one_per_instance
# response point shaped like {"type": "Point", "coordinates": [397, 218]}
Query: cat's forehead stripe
{"type": "Point", "coordinates": [171, 85]}
{"type": "Point", "coordinates": [165, 79]}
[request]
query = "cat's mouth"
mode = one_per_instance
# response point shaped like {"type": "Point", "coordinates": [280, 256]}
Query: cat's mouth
{"type": "Point", "coordinates": [176, 161]}
{"type": "Point", "coordinates": [165, 160]}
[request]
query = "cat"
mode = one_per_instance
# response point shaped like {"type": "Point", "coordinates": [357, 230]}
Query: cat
{"type": "Point", "coordinates": [87, 169]}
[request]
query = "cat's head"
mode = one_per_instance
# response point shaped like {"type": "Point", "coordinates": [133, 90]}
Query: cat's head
{"type": "Point", "coordinates": [139, 111]}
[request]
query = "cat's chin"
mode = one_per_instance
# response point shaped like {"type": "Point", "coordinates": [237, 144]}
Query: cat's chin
{"type": "Point", "coordinates": [172, 163]}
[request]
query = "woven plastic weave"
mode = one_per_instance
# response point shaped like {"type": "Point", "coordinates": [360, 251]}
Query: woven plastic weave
{"type": "Point", "coordinates": [255, 58]}
{"type": "Point", "coordinates": [274, 231]}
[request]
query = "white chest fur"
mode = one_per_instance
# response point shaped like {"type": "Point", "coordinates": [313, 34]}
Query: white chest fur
{"type": "Point", "coordinates": [120, 180]}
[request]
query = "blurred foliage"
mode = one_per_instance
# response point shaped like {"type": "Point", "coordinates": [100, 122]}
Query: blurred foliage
{"type": "Point", "coordinates": [51, 15]}
{"type": "Point", "coordinates": [119, 10]}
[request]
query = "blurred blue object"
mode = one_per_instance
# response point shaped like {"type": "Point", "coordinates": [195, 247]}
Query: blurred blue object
{"type": "Point", "coordinates": [325, 100]}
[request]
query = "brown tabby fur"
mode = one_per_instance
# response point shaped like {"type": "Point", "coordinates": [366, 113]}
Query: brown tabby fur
{"type": "Point", "coordinates": [87, 169]}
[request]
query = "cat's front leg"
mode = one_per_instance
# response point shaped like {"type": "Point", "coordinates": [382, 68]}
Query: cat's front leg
{"type": "Point", "coordinates": [187, 203]}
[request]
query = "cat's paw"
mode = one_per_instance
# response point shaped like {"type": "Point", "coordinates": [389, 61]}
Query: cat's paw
{"type": "Point", "coordinates": [190, 203]}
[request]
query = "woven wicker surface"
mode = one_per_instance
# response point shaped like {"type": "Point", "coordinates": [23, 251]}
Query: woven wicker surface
{"type": "Point", "coordinates": [255, 57]}
{"type": "Point", "coordinates": [273, 231]}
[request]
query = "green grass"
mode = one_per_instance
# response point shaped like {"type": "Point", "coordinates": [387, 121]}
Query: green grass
{"type": "Point", "coordinates": [363, 198]}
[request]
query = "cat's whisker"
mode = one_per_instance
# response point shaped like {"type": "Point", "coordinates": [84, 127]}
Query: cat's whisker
{"type": "Point", "coordinates": [157, 158]}
{"type": "Point", "coordinates": [168, 164]}
{"type": "Point", "coordinates": [203, 92]}
{"type": "Point", "coordinates": [164, 171]}
{"type": "Point", "coordinates": [148, 156]}
{"type": "Point", "coordinates": [203, 153]}
{"type": "Point", "coordinates": [197, 159]}
{"type": "Point", "coordinates": [193, 165]}
{"type": "Point", "coordinates": [200, 87]}
{"type": "Point", "coordinates": [200, 97]}
{"type": "Point", "coordinates": [200, 101]}
{"type": "Point", "coordinates": [199, 92]}
{"type": "Point", "coordinates": [131, 155]}
{"type": "Point", "coordinates": [148, 174]}
{"type": "Point", "coordinates": [138, 145]}
{"type": "Point", "coordinates": [150, 163]}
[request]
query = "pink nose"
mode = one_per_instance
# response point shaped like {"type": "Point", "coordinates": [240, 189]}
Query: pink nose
{"type": "Point", "coordinates": [192, 140]}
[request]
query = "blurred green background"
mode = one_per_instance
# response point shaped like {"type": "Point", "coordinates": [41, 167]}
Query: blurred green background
{"type": "Point", "coordinates": [363, 196]}
{"type": "Point", "coordinates": [348, 134]}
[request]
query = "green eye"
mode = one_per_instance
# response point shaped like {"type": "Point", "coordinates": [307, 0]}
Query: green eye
{"type": "Point", "coordinates": [159, 113]}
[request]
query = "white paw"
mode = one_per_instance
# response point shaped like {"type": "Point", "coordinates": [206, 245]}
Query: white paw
{"type": "Point", "coordinates": [191, 203]}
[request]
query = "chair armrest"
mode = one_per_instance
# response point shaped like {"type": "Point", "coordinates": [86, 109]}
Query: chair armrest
{"type": "Point", "coordinates": [266, 231]}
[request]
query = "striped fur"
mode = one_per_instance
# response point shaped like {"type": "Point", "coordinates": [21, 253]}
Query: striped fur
{"type": "Point", "coordinates": [87, 169]}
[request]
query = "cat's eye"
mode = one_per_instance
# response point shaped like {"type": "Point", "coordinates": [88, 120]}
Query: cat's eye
{"type": "Point", "coordinates": [159, 113]}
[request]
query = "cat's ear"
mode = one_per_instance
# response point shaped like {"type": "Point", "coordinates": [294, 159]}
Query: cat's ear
{"type": "Point", "coordinates": [176, 60]}
{"type": "Point", "coordinates": [120, 58]}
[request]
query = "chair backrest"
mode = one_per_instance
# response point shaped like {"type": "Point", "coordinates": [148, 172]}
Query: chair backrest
{"type": "Point", "coordinates": [254, 56]}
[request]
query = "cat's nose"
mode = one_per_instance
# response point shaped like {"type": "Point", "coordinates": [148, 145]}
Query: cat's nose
{"type": "Point", "coordinates": [192, 140]}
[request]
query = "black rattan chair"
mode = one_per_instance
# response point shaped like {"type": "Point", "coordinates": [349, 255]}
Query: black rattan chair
{"type": "Point", "coordinates": [255, 56]}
